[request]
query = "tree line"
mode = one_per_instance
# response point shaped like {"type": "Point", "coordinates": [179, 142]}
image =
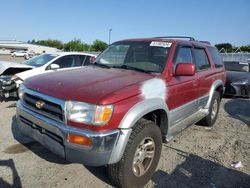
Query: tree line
{"type": "Point", "coordinates": [98, 46]}
{"type": "Point", "coordinates": [73, 45]}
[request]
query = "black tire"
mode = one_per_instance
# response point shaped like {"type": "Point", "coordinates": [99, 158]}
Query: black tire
{"type": "Point", "coordinates": [122, 174]}
{"type": "Point", "coordinates": [210, 119]}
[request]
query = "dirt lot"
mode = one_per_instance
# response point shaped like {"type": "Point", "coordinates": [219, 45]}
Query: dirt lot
{"type": "Point", "coordinates": [198, 157]}
{"type": "Point", "coordinates": [13, 59]}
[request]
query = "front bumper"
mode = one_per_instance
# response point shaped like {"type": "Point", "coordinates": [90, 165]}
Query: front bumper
{"type": "Point", "coordinates": [107, 147]}
{"type": "Point", "coordinates": [237, 90]}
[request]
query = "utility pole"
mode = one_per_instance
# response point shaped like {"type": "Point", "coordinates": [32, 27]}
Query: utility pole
{"type": "Point", "coordinates": [110, 35]}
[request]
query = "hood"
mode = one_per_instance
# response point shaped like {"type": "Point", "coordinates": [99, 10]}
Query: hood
{"type": "Point", "coordinates": [4, 65]}
{"type": "Point", "coordinates": [28, 73]}
{"type": "Point", "coordinates": [87, 84]}
{"type": "Point", "coordinates": [234, 76]}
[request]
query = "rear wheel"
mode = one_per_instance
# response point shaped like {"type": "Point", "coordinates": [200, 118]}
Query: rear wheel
{"type": "Point", "coordinates": [140, 157]}
{"type": "Point", "coordinates": [210, 119]}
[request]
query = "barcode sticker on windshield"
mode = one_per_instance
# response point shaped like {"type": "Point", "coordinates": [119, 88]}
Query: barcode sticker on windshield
{"type": "Point", "coordinates": [161, 44]}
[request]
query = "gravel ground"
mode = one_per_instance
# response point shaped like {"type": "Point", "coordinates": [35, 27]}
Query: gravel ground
{"type": "Point", "coordinates": [12, 59]}
{"type": "Point", "coordinates": [197, 157]}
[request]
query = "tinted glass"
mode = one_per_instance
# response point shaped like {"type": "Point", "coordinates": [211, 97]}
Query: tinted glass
{"type": "Point", "coordinates": [237, 66]}
{"type": "Point", "coordinates": [66, 61]}
{"type": "Point", "coordinates": [146, 56]}
{"type": "Point", "coordinates": [87, 60]}
{"type": "Point", "coordinates": [40, 60]}
{"type": "Point", "coordinates": [184, 55]}
{"type": "Point", "coordinates": [80, 59]}
{"type": "Point", "coordinates": [201, 59]}
{"type": "Point", "coordinates": [216, 57]}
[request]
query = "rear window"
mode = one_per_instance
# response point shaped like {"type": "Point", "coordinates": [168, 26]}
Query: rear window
{"type": "Point", "coordinates": [216, 57]}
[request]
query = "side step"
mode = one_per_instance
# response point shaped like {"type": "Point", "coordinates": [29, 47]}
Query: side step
{"type": "Point", "coordinates": [178, 127]}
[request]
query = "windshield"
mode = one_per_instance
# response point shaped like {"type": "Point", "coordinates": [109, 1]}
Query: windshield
{"type": "Point", "coordinates": [40, 60]}
{"type": "Point", "coordinates": [135, 55]}
{"type": "Point", "coordinates": [237, 66]}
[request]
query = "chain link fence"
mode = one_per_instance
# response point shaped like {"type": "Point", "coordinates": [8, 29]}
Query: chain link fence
{"type": "Point", "coordinates": [243, 57]}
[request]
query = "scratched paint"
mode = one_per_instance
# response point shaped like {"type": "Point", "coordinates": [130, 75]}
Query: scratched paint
{"type": "Point", "coordinates": [154, 88]}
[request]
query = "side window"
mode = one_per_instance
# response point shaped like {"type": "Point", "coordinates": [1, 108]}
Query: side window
{"type": "Point", "coordinates": [201, 59]}
{"type": "Point", "coordinates": [87, 60]}
{"type": "Point", "coordinates": [184, 55]}
{"type": "Point", "coordinates": [65, 61]}
{"type": "Point", "coordinates": [80, 60]}
{"type": "Point", "coordinates": [216, 57]}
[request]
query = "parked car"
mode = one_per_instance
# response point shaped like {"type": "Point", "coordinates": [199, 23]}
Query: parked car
{"type": "Point", "coordinates": [13, 74]}
{"type": "Point", "coordinates": [117, 112]}
{"type": "Point", "coordinates": [20, 53]}
{"type": "Point", "coordinates": [238, 79]}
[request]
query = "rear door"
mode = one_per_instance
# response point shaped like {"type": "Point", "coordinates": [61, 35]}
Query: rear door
{"type": "Point", "coordinates": [204, 73]}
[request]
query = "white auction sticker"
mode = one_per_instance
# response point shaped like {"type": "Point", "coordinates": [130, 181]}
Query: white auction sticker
{"type": "Point", "coordinates": [161, 44]}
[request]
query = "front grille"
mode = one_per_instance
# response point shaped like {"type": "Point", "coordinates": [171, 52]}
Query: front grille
{"type": "Point", "coordinates": [49, 109]}
{"type": "Point", "coordinates": [244, 90]}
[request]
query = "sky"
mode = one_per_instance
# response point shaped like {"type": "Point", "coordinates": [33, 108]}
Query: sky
{"type": "Point", "coordinates": [216, 21]}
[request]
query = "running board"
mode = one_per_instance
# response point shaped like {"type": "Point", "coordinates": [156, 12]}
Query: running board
{"type": "Point", "coordinates": [178, 127]}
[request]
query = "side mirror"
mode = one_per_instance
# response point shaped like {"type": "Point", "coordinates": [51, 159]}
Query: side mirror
{"type": "Point", "coordinates": [54, 66]}
{"type": "Point", "coordinates": [185, 69]}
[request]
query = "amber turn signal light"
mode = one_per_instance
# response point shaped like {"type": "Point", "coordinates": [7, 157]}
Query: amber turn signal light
{"type": "Point", "coordinates": [81, 140]}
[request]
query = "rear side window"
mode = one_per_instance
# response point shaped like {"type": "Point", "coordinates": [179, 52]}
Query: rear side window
{"type": "Point", "coordinates": [201, 59]}
{"type": "Point", "coordinates": [216, 57]}
{"type": "Point", "coordinates": [81, 59]}
{"type": "Point", "coordinates": [66, 61]}
{"type": "Point", "coordinates": [70, 61]}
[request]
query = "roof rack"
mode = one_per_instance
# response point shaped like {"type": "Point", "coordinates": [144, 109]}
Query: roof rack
{"type": "Point", "coordinates": [177, 37]}
{"type": "Point", "coordinates": [206, 42]}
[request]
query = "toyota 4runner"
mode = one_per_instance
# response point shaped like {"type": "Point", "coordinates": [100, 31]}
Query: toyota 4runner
{"type": "Point", "coordinates": [117, 112]}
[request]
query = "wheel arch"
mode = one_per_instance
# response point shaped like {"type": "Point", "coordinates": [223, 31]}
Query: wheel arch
{"type": "Point", "coordinates": [216, 86]}
{"type": "Point", "coordinates": [144, 109]}
{"type": "Point", "coordinates": [155, 110]}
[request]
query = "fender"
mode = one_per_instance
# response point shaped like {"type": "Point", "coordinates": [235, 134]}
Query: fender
{"type": "Point", "coordinates": [131, 117]}
{"type": "Point", "coordinates": [215, 85]}
{"type": "Point", "coordinates": [140, 109]}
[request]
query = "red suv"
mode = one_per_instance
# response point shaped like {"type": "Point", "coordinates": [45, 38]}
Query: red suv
{"type": "Point", "coordinates": [117, 112]}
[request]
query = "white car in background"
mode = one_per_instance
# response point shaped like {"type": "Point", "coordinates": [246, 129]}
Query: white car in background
{"type": "Point", "coordinates": [21, 53]}
{"type": "Point", "coordinates": [9, 81]}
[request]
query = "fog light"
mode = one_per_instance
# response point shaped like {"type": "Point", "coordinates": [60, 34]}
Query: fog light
{"type": "Point", "coordinates": [81, 140]}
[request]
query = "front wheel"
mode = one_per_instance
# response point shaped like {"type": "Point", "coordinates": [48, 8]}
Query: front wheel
{"type": "Point", "coordinates": [140, 157]}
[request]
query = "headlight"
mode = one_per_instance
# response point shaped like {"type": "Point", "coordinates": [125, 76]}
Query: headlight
{"type": "Point", "coordinates": [17, 80]}
{"type": "Point", "coordinates": [87, 113]}
{"type": "Point", "coordinates": [21, 91]}
{"type": "Point", "coordinates": [240, 82]}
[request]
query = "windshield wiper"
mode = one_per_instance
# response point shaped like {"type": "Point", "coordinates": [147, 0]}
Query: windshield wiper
{"type": "Point", "coordinates": [131, 68]}
{"type": "Point", "coordinates": [101, 65]}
